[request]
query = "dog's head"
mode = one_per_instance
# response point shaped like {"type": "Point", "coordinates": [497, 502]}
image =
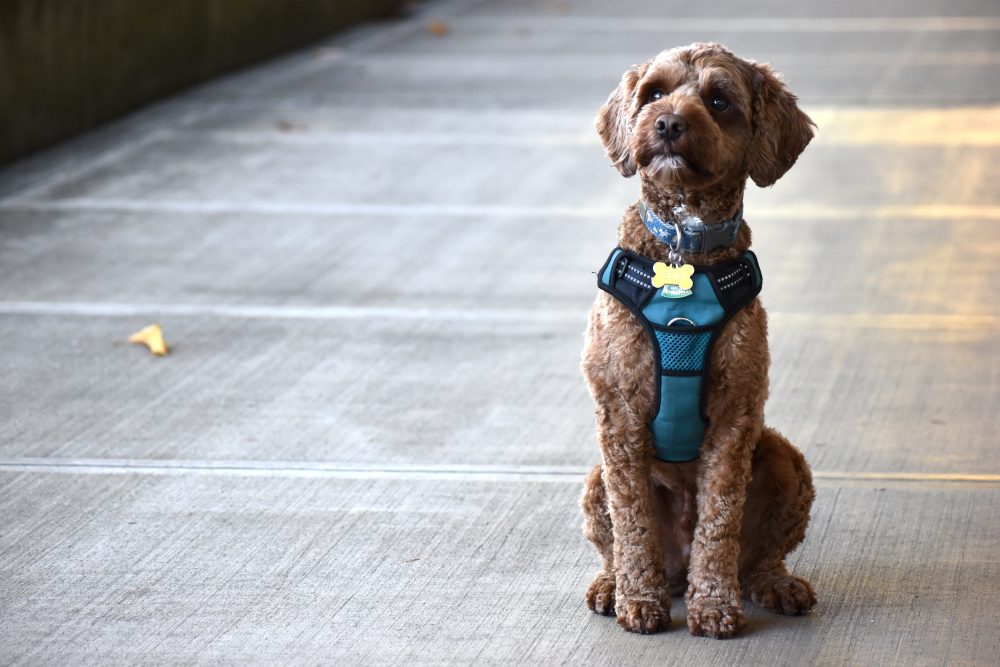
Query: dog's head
{"type": "Point", "coordinates": [698, 115]}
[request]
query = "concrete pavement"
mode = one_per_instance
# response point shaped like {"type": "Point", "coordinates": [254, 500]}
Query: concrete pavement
{"type": "Point", "coordinates": [373, 261]}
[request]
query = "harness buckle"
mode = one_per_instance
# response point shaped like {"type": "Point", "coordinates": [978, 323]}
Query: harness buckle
{"type": "Point", "coordinates": [621, 267]}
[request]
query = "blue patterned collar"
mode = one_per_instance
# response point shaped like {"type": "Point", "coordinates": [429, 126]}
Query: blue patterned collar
{"type": "Point", "coordinates": [696, 236]}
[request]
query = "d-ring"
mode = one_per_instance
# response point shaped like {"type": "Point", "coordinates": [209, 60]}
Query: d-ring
{"type": "Point", "coordinates": [677, 229]}
{"type": "Point", "coordinates": [681, 319]}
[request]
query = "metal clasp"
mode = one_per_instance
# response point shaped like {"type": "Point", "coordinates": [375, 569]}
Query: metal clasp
{"type": "Point", "coordinates": [675, 252]}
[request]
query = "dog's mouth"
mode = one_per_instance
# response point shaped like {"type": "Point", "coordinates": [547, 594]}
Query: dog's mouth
{"type": "Point", "coordinates": [670, 166]}
{"type": "Point", "coordinates": [670, 160]}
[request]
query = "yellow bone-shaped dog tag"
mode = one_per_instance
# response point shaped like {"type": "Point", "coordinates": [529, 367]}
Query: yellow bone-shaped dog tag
{"type": "Point", "coordinates": [680, 276]}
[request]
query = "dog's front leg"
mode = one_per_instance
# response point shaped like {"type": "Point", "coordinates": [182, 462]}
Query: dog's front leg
{"type": "Point", "coordinates": [642, 601]}
{"type": "Point", "coordinates": [713, 595]}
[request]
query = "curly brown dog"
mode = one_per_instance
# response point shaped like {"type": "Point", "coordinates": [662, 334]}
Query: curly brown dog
{"type": "Point", "coordinates": [695, 123]}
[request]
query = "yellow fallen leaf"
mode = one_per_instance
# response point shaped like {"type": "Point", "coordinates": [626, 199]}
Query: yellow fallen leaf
{"type": "Point", "coordinates": [439, 28]}
{"type": "Point", "coordinates": [151, 337]}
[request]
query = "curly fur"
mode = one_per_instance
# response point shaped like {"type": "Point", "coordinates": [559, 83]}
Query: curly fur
{"type": "Point", "coordinates": [723, 524]}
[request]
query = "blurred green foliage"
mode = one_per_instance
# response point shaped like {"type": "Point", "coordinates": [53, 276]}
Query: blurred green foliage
{"type": "Point", "coordinates": [66, 65]}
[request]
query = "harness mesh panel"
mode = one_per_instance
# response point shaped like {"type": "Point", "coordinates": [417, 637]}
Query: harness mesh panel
{"type": "Point", "coordinates": [683, 352]}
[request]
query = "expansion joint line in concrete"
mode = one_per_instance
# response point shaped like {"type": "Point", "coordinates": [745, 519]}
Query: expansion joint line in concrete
{"type": "Point", "coordinates": [320, 469]}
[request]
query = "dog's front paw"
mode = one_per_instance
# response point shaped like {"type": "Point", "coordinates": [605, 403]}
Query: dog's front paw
{"type": "Point", "coordinates": [601, 594]}
{"type": "Point", "coordinates": [784, 594]}
{"type": "Point", "coordinates": [712, 617]}
{"type": "Point", "coordinates": [642, 616]}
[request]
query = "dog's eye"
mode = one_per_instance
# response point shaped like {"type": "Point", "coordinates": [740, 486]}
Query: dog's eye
{"type": "Point", "coordinates": [719, 103]}
{"type": "Point", "coordinates": [655, 94]}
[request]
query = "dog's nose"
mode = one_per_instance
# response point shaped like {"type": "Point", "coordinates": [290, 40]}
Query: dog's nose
{"type": "Point", "coordinates": [670, 126]}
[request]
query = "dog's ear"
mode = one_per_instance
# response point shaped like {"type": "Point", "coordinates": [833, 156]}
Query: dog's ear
{"type": "Point", "coordinates": [781, 129]}
{"type": "Point", "coordinates": [614, 120]}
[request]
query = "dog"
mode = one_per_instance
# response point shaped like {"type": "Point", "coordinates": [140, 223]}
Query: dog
{"type": "Point", "coordinates": [695, 123]}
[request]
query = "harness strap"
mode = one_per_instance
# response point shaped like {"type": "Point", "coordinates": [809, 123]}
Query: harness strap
{"type": "Point", "coordinates": [684, 332]}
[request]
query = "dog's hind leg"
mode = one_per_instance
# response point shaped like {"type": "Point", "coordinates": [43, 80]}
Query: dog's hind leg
{"type": "Point", "coordinates": [779, 498]}
{"type": "Point", "coordinates": [598, 529]}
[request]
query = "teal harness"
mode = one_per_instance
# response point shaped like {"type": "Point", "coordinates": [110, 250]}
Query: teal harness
{"type": "Point", "coordinates": [683, 330]}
